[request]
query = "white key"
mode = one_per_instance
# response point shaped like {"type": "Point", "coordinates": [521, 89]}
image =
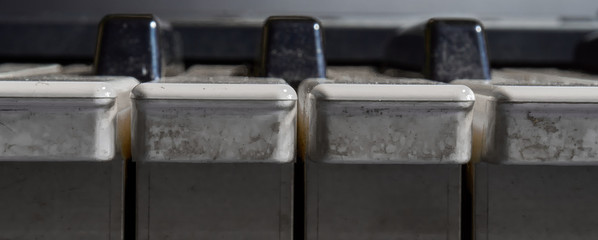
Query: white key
{"type": "Point", "coordinates": [536, 155]}
{"type": "Point", "coordinates": [383, 156]}
{"type": "Point", "coordinates": [215, 158]}
{"type": "Point", "coordinates": [63, 148]}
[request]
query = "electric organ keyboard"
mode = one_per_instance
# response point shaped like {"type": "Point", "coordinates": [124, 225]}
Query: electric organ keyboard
{"type": "Point", "coordinates": [427, 141]}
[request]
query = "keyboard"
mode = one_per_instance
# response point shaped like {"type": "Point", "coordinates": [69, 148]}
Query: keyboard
{"type": "Point", "coordinates": [433, 128]}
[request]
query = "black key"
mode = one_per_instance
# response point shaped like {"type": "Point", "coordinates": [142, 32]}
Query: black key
{"type": "Point", "coordinates": [136, 45]}
{"type": "Point", "coordinates": [172, 50]}
{"type": "Point", "coordinates": [443, 50]}
{"type": "Point", "coordinates": [586, 53]}
{"type": "Point", "coordinates": [292, 49]}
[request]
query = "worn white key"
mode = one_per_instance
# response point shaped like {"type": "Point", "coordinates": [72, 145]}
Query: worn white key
{"type": "Point", "coordinates": [214, 158]}
{"type": "Point", "coordinates": [535, 119]}
{"type": "Point", "coordinates": [536, 155]}
{"type": "Point", "coordinates": [383, 157]}
{"type": "Point", "coordinates": [63, 146]}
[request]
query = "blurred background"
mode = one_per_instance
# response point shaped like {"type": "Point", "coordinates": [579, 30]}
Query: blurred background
{"type": "Point", "coordinates": [193, 10]}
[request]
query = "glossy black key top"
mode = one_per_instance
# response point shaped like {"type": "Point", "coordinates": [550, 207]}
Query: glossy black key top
{"type": "Point", "coordinates": [443, 49]}
{"type": "Point", "coordinates": [455, 49]}
{"type": "Point", "coordinates": [586, 53]}
{"type": "Point", "coordinates": [292, 49]}
{"type": "Point", "coordinates": [134, 45]}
